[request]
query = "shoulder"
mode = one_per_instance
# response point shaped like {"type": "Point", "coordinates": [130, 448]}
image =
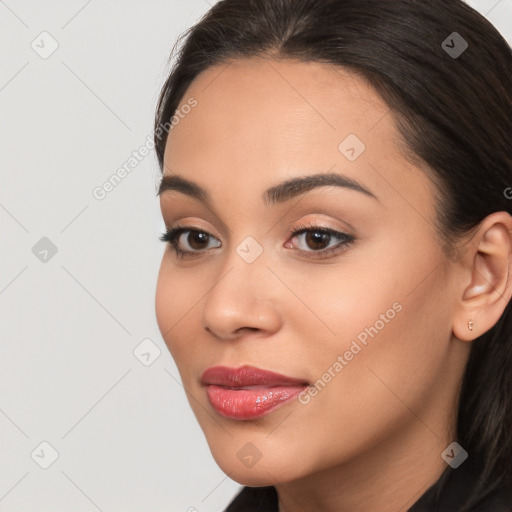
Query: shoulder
{"type": "Point", "coordinates": [461, 489]}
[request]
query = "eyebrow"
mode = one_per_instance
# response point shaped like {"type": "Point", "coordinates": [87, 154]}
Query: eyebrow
{"type": "Point", "coordinates": [277, 194]}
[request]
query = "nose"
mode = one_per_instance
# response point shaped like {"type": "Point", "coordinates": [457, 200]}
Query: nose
{"type": "Point", "coordinates": [242, 299]}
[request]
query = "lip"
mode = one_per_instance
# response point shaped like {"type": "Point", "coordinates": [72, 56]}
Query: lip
{"type": "Point", "coordinates": [248, 392]}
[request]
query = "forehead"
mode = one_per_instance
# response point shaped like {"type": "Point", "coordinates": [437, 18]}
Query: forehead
{"type": "Point", "coordinates": [273, 104]}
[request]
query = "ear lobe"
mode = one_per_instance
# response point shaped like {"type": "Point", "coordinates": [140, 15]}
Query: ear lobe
{"type": "Point", "coordinates": [488, 267]}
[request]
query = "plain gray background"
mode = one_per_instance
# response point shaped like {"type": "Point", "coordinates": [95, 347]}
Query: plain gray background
{"type": "Point", "coordinates": [78, 274]}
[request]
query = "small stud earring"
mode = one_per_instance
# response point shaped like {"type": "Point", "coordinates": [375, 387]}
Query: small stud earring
{"type": "Point", "coordinates": [470, 325]}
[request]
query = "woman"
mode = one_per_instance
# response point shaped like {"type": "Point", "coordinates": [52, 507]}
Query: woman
{"type": "Point", "coordinates": [336, 285]}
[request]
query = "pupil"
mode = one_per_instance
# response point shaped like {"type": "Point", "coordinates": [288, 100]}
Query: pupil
{"type": "Point", "coordinates": [197, 237]}
{"type": "Point", "coordinates": [317, 238]}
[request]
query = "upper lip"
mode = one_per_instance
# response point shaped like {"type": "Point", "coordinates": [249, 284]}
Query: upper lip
{"type": "Point", "coordinates": [247, 376]}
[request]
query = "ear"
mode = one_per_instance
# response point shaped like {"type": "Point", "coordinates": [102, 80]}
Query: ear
{"type": "Point", "coordinates": [486, 277]}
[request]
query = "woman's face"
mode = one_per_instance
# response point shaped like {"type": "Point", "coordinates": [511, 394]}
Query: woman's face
{"type": "Point", "coordinates": [363, 317]}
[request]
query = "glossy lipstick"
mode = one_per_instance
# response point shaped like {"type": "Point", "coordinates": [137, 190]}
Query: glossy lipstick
{"type": "Point", "coordinates": [247, 392]}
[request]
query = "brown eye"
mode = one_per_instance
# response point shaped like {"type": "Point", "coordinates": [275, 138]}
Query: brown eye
{"type": "Point", "coordinates": [320, 242]}
{"type": "Point", "coordinates": [192, 240]}
{"type": "Point", "coordinates": [187, 241]}
{"type": "Point", "coordinates": [197, 239]}
{"type": "Point", "coordinates": [317, 240]}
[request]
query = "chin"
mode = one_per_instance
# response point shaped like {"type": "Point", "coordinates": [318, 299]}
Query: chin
{"type": "Point", "coordinates": [253, 480]}
{"type": "Point", "coordinates": [264, 472]}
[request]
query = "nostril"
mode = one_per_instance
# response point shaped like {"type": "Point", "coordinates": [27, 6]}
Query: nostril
{"type": "Point", "coordinates": [247, 329]}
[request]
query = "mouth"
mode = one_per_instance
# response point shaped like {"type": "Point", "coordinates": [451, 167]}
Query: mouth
{"type": "Point", "coordinates": [248, 392]}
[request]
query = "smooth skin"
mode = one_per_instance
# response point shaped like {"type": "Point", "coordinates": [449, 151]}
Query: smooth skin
{"type": "Point", "coordinates": [372, 438]}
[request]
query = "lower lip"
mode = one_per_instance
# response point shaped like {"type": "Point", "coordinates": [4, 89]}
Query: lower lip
{"type": "Point", "coordinates": [248, 404]}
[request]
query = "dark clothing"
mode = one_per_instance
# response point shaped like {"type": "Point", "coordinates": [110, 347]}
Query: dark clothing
{"type": "Point", "coordinates": [448, 494]}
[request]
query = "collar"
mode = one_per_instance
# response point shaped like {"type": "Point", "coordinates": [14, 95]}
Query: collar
{"type": "Point", "coordinates": [449, 494]}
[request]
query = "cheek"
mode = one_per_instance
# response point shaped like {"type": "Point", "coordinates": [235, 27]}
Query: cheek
{"type": "Point", "coordinates": [179, 298]}
{"type": "Point", "coordinates": [164, 299]}
{"type": "Point", "coordinates": [363, 315]}
{"type": "Point", "coordinates": [391, 341]}
{"type": "Point", "coordinates": [369, 288]}
{"type": "Point", "coordinates": [174, 300]}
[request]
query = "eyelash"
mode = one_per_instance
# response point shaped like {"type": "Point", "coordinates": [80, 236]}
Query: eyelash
{"type": "Point", "coordinates": [171, 237]}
